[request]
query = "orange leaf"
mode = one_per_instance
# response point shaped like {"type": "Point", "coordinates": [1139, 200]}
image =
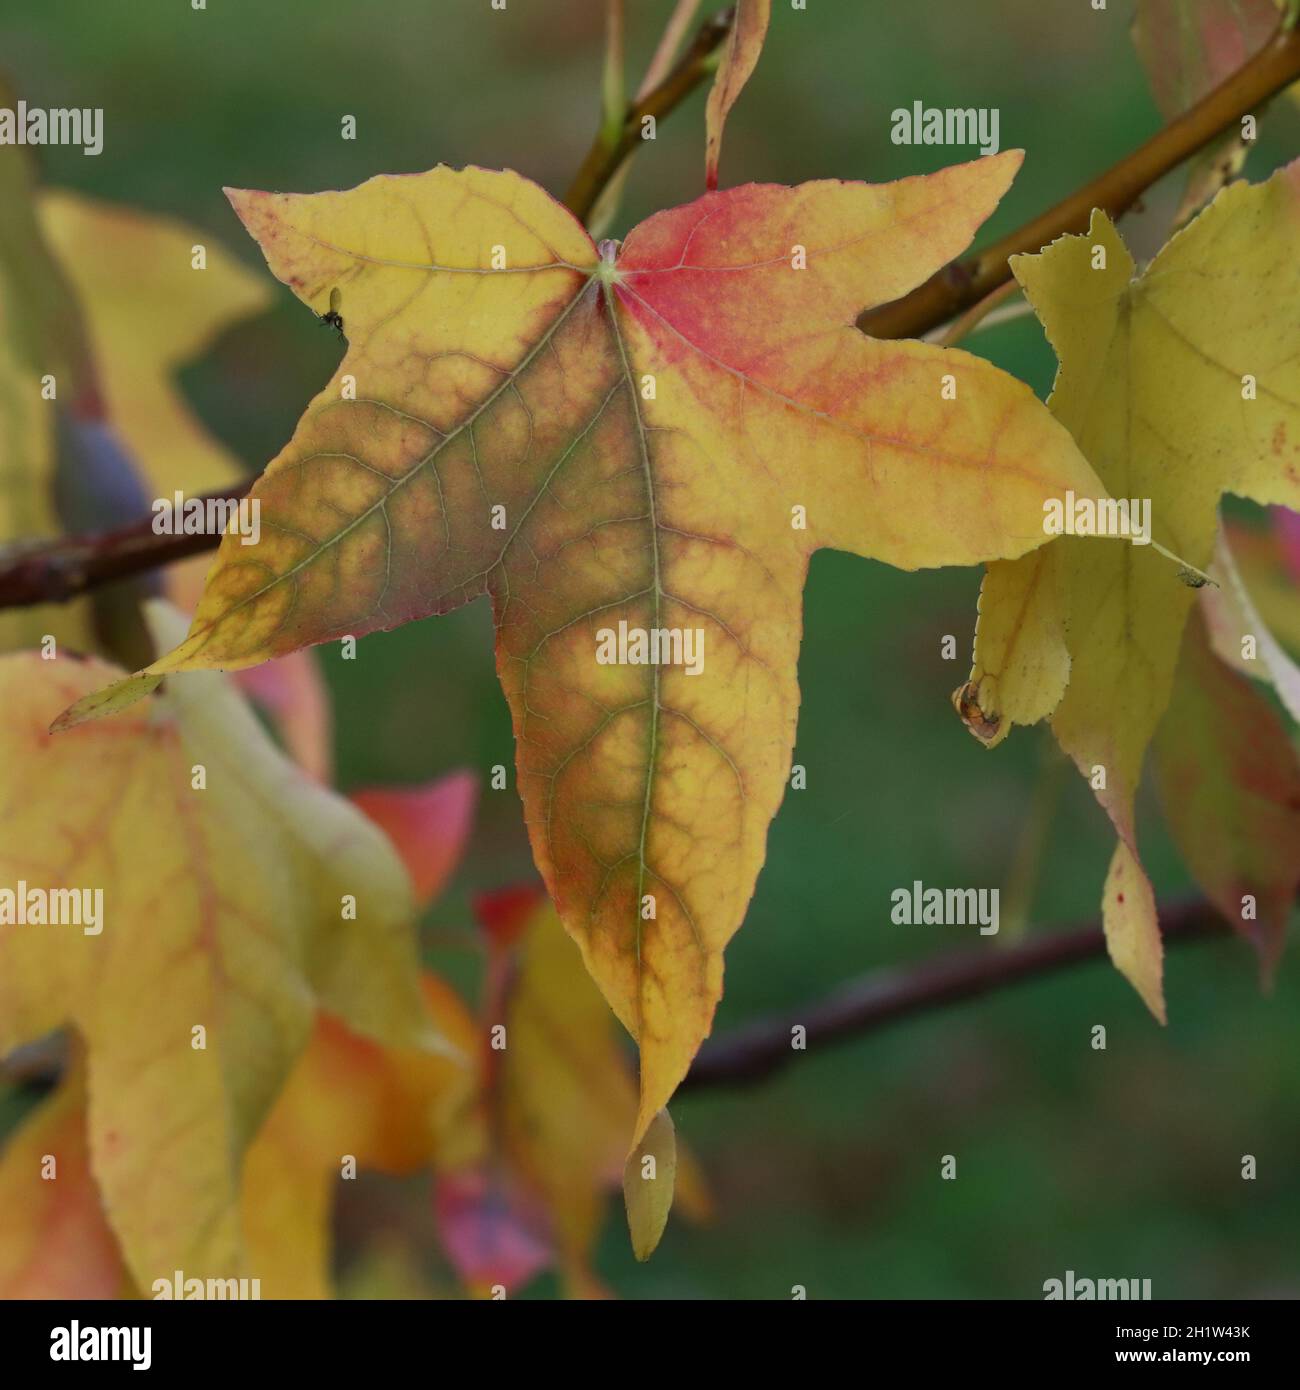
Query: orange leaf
{"type": "Point", "coordinates": [58, 1243]}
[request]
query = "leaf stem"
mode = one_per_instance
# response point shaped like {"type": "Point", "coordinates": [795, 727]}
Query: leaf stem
{"type": "Point", "coordinates": [603, 210]}
{"type": "Point", "coordinates": [965, 324]}
{"type": "Point", "coordinates": [612, 95]}
{"type": "Point", "coordinates": [603, 158]}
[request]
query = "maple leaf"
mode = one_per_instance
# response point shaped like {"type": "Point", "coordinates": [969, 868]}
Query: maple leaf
{"type": "Point", "coordinates": [736, 65]}
{"type": "Point", "coordinates": [657, 436]}
{"type": "Point", "coordinates": [105, 301]}
{"type": "Point", "coordinates": [387, 1109]}
{"type": "Point", "coordinates": [1180, 384]}
{"type": "Point", "coordinates": [526, 1141]}
{"type": "Point", "coordinates": [223, 908]}
{"type": "Point", "coordinates": [1229, 781]}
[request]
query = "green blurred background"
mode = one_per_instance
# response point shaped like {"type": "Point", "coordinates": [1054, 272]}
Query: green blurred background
{"type": "Point", "coordinates": [1117, 1163]}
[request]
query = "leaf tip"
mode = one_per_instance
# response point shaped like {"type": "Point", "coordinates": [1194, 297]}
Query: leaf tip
{"type": "Point", "coordinates": [99, 704]}
{"type": "Point", "coordinates": [242, 201]}
{"type": "Point", "coordinates": [648, 1179]}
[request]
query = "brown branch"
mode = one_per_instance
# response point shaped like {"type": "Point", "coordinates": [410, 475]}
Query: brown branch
{"type": "Point", "coordinates": [55, 571]}
{"type": "Point", "coordinates": [963, 283]}
{"type": "Point", "coordinates": [756, 1050]}
{"type": "Point", "coordinates": [605, 156]}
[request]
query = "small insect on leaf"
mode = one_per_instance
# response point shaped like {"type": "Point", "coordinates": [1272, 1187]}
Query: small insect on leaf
{"type": "Point", "coordinates": [332, 316]}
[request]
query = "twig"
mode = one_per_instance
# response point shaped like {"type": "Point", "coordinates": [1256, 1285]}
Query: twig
{"type": "Point", "coordinates": [963, 283]}
{"type": "Point", "coordinates": [965, 324]}
{"type": "Point", "coordinates": [604, 158]}
{"type": "Point", "coordinates": [606, 205]}
{"type": "Point", "coordinates": [757, 1050]}
{"type": "Point", "coordinates": [55, 571]}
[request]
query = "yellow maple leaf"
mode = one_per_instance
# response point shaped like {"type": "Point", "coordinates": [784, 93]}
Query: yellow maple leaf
{"type": "Point", "coordinates": [1180, 384]}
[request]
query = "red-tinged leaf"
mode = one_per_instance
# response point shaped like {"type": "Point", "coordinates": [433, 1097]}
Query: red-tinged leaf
{"type": "Point", "coordinates": [506, 913]}
{"type": "Point", "coordinates": [1188, 48]}
{"type": "Point", "coordinates": [493, 1235]}
{"type": "Point", "coordinates": [1286, 525]}
{"type": "Point", "coordinates": [57, 1241]}
{"type": "Point", "coordinates": [428, 825]}
{"type": "Point", "coordinates": [739, 57]}
{"type": "Point", "coordinates": [1240, 635]}
{"type": "Point", "coordinates": [1229, 780]}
